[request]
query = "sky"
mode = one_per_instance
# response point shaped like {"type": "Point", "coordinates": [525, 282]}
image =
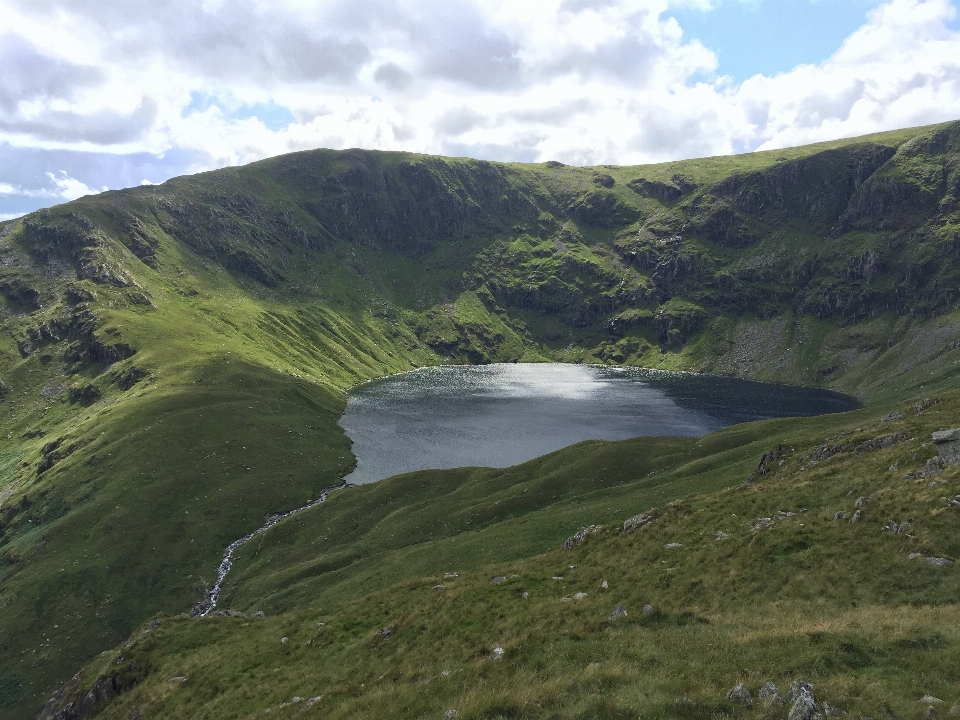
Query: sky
{"type": "Point", "coordinates": [105, 94]}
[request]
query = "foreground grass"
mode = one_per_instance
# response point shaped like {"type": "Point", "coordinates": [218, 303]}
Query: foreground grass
{"type": "Point", "coordinates": [802, 596]}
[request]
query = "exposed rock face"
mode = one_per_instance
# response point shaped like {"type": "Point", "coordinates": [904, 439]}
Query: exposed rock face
{"type": "Point", "coordinates": [66, 704]}
{"type": "Point", "coordinates": [767, 461]}
{"type": "Point", "coordinates": [577, 539]}
{"type": "Point", "coordinates": [639, 521]}
{"type": "Point", "coordinates": [948, 445]}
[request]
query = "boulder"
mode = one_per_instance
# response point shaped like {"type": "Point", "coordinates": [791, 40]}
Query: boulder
{"type": "Point", "coordinates": [647, 609]}
{"type": "Point", "coordinates": [449, 714]}
{"type": "Point", "coordinates": [857, 516]}
{"type": "Point", "coordinates": [861, 501]}
{"type": "Point", "coordinates": [618, 612]}
{"type": "Point", "coordinates": [938, 561]}
{"type": "Point", "coordinates": [804, 708]}
{"type": "Point", "coordinates": [741, 695]}
{"type": "Point", "coordinates": [497, 653]}
{"type": "Point", "coordinates": [948, 445]}
{"type": "Point", "coordinates": [499, 579]}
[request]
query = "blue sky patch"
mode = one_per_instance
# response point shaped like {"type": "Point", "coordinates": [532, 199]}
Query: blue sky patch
{"type": "Point", "coordinates": [274, 116]}
{"type": "Point", "coordinates": [773, 36]}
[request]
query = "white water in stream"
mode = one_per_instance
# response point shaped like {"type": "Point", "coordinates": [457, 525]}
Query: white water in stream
{"type": "Point", "coordinates": [206, 606]}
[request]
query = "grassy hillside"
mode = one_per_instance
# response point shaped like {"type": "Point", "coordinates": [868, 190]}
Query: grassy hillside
{"type": "Point", "coordinates": [173, 360]}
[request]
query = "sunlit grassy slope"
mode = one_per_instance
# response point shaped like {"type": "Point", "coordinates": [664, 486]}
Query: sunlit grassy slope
{"type": "Point", "coordinates": [753, 583]}
{"type": "Point", "coordinates": [174, 358]}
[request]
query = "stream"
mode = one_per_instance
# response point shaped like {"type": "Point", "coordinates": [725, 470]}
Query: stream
{"type": "Point", "coordinates": [209, 602]}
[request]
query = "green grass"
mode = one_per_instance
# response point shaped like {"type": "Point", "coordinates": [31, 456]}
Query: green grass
{"type": "Point", "coordinates": [835, 603]}
{"type": "Point", "coordinates": [209, 328]}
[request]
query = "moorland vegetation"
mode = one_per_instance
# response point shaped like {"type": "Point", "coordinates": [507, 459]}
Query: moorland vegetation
{"type": "Point", "coordinates": [174, 358]}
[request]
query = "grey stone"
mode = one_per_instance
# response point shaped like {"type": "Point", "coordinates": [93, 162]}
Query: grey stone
{"type": "Point", "coordinates": [861, 501]}
{"type": "Point", "coordinates": [387, 631]}
{"type": "Point", "coordinates": [948, 445]}
{"type": "Point", "coordinates": [933, 467]}
{"type": "Point", "coordinates": [770, 695]}
{"type": "Point", "coordinates": [804, 707]}
{"type": "Point", "coordinates": [721, 535]}
{"type": "Point", "coordinates": [797, 687]}
{"type": "Point", "coordinates": [618, 612]}
{"type": "Point", "coordinates": [438, 587]}
{"type": "Point", "coordinates": [638, 521]}
{"type": "Point", "coordinates": [647, 609]}
{"type": "Point", "coordinates": [683, 701]}
{"type": "Point", "coordinates": [497, 653]}
{"type": "Point", "coordinates": [498, 580]}
{"type": "Point", "coordinates": [938, 561]}
{"type": "Point", "coordinates": [763, 523]}
{"type": "Point", "coordinates": [604, 585]}
{"type": "Point", "coordinates": [259, 614]}
{"type": "Point", "coordinates": [831, 711]}
{"type": "Point", "coordinates": [577, 539]}
{"type": "Point", "coordinates": [930, 713]}
{"type": "Point", "coordinates": [857, 516]}
{"type": "Point", "coordinates": [841, 515]}
{"type": "Point", "coordinates": [579, 596]}
{"type": "Point", "coordinates": [741, 695]}
{"type": "Point", "coordinates": [449, 714]}
{"type": "Point", "coordinates": [525, 595]}
{"type": "Point", "coordinates": [931, 700]}
{"type": "Point", "coordinates": [673, 546]}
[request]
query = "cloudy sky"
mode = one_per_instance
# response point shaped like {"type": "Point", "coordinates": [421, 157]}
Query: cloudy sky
{"type": "Point", "coordinates": [101, 94]}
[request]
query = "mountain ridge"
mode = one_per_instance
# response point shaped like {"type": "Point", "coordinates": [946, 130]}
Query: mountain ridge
{"type": "Point", "coordinates": [182, 351]}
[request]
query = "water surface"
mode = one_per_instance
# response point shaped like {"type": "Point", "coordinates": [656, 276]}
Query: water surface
{"type": "Point", "coordinates": [501, 415]}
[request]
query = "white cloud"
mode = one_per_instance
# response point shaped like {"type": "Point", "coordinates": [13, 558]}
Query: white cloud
{"type": "Point", "coordinates": [60, 187]}
{"type": "Point", "coordinates": [581, 81]}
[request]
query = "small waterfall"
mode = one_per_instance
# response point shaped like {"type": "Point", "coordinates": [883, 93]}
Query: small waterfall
{"type": "Point", "coordinates": [209, 602]}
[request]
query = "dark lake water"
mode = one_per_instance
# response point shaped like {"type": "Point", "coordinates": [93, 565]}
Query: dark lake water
{"type": "Point", "coordinates": [501, 415]}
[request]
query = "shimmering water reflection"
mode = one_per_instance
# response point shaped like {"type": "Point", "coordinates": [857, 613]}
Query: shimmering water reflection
{"type": "Point", "coordinates": [501, 415]}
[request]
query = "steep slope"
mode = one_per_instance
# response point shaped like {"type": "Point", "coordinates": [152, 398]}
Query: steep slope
{"type": "Point", "coordinates": [392, 599]}
{"type": "Point", "coordinates": [173, 358]}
